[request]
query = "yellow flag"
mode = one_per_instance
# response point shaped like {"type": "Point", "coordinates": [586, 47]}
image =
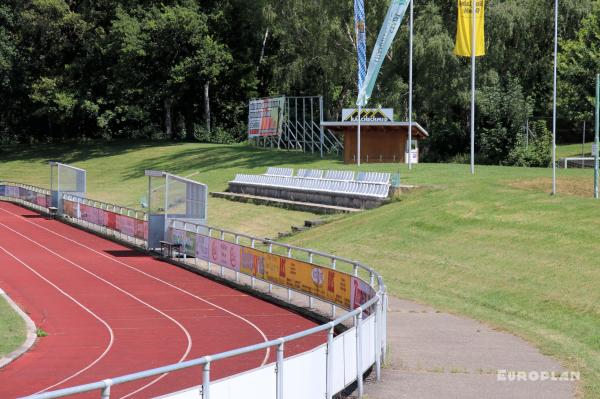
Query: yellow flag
{"type": "Point", "coordinates": [463, 28]}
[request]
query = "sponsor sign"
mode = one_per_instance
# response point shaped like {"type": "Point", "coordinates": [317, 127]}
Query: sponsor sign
{"type": "Point", "coordinates": [126, 225]}
{"type": "Point", "coordinates": [368, 115]}
{"type": "Point", "coordinates": [2, 191]}
{"type": "Point", "coordinates": [361, 292]}
{"type": "Point", "coordinates": [322, 282]}
{"type": "Point", "coordinates": [203, 247]}
{"type": "Point", "coordinates": [12, 191]}
{"type": "Point", "coordinates": [141, 228]}
{"type": "Point", "coordinates": [265, 117]}
{"type": "Point", "coordinates": [225, 254]}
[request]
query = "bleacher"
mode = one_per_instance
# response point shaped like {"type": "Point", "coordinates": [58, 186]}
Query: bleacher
{"type": "Point", "coordinates": [329, 187]}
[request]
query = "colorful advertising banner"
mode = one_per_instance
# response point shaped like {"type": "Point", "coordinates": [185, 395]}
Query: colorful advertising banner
{"type": "Point", "coordinates": [3, 191]}
{"type": "Point", "coordinates": [265, 117]}
{"type": "Point", "coordinates": [322, 282]}
{"type": "Point", "coordinates": [328, 284]}
{"type": "Point", "coordinates": [126, 225]}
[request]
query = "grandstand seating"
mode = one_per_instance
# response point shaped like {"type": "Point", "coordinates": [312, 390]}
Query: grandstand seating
{"type": "Point", "coordinates": [337, 187]}
{"type": "Point", "coordinates": [280, 172]}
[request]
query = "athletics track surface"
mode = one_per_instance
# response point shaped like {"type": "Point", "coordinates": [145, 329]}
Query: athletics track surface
{"type": "Point", "coordinates": [109, 310]}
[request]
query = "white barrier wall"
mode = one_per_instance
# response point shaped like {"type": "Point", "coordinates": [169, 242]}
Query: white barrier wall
{"type": "Point", "coordinates": [304, 375]}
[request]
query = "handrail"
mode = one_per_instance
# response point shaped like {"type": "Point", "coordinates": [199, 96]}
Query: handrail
{"type": "Point", "coordinates": [40, 190]}
{"type": "Point", "coordinates": [376, 306]}
{"type": "Point", "coordinates": [202, 360]}
{"type": "Point", "coordinates": [93, 202]}
{"type": "Point", "coordinates": [308, 251]}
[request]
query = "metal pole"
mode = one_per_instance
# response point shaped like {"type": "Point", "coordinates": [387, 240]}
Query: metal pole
{"type": "Point", "coordinates": [473, 34]}
{"type": "Point", "coordinates": [359, 372]}
{"type": "Point", "coordinates": [358, 136]}
{"type": "Point", "coordinates": [279, 371]}
{"type": "Point", "coordinates": [329, 365]}
{"type": "Point", "coordinates": [166, 205]}
{"type": "Point", "coordinates": [583, 145]}
{"type": "Point", "coordinates": [554, 99]}
{"type": "Point", "coordinates": [321, 124]}
{"type": "Point", "coordinates": [410, 87]}
{"type": "Point", "coordinates": [596, 138]}
{"type": "Point", "coordinates": [206, 381]}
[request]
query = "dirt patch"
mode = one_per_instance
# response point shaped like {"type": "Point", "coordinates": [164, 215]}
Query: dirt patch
{"type": "Point", "coordinates": [575, 186]}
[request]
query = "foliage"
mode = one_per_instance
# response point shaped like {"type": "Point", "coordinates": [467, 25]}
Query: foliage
{"type": "Point", "coordinates": [535, 151]}
{"type": "Point", "coordinates": [119, 68]}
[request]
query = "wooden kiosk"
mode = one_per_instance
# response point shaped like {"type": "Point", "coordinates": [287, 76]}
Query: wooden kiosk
{"type": "Point", "coordinates": [380, 141]}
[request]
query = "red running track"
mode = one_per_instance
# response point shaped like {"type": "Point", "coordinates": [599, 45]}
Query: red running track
{"type": "Point", "coordinates": [109, 310]}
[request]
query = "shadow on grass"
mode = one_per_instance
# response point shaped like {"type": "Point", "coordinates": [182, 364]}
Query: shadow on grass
{"type": "Point", "coordinates": [75, 152]}
{"type": "Point", "coordinates": [215, 157]}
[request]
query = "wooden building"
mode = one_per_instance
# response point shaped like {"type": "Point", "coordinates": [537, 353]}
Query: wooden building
{"type": "Point", "coordinates": [380, 141]}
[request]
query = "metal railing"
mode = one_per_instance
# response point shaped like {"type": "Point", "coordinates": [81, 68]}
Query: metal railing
{"type": "Point", "coordinates": [364, 356]}
{"type": "Point", "coordinates": [25, 198]}
{"type": "Point", "coordinates": [103, 228]}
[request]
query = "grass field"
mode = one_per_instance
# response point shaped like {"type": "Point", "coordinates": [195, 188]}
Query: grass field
{"type": "Point", "coordinates": [12, 329]}
{"type": "Point", "coordinates": [494, 246]}
{"type": "Point", "coordinates": [573, 150]}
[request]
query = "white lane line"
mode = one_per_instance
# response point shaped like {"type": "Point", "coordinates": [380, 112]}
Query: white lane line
{"type": "Point", "coordinates": [110, 331]}
{"type": "Point", "coordinates": [240, 317]}
{"type": "Point", "coordinates": [187, 334]}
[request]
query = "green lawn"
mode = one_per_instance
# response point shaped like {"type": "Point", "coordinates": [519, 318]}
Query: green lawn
{"type": "Point", "coordinates": [494, 246]}
{"type": "Point", "coordinates": [12, 329]}
{"type": "Point", "coordinates": [573, 150]}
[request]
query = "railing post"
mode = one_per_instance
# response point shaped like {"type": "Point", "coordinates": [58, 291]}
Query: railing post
{"type": "Point", "coordinates": [237, 274]}
{"type": "Point", "coordinates": [311, 301]}
{"type": "Point", "coordinates": [329, 364]}
{"type": "Point", "coordinates": [208, 262]}
{"type": "Point", "coordinates": [252, 279]}
{"type": "Point", "coordinates": [270, 251]}
{"type": "Point", "coordinates": [333, 266]}
{"type": "Point", "coordinates": [206, 379]}
{"type": "Point", "coordinates": [289, 291]}
{"type": "Point", "coordinates": [359, 372]}
{"type": "Point", "coordinates": [196, 257]}
{"type": "Point", "coordinates": [384, 326]}
{"type": "Point", "coordinates": [222, 268]}
{"type": "Point", "coordinates": [377, 339]}
{"type": "Point", "coordinates": [106, 390]}
{"type": "Point", "coordinates": [279, 369]}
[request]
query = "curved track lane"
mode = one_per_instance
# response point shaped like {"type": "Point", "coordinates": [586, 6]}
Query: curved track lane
{"type": "Point", "coordinates": [149, 305]}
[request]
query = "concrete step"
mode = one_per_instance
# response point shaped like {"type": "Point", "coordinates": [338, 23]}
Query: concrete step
{"type": "Point", "coordinates": [297, 205]}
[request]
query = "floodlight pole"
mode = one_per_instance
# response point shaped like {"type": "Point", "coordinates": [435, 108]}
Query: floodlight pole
{"type": "Point", "coordinates": [554, 99]}
{"type": "Point", "coordinates": [473, 36]}
{"type": "Point", "coordinates": [596, 138]}
{"type": "Point", "coordinates": [410, 86]}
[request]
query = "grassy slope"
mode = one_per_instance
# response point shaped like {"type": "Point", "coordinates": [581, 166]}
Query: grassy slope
{"type": "Point", "coordinates": [518, 259]}
{"type": "Point", "coordinates": [12, 329]}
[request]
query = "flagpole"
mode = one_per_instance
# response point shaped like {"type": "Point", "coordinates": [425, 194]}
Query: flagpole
{"type": "Point", "coordinates": [473, 33]}
{"type": "Point", "coordinates": [410, 86]}
{"type": "Point", "coordinates": [554, 99]}
{"type": "Point", "coordinates": [597, 136]}
{"type": "Point", "coordinates": [358, 136]}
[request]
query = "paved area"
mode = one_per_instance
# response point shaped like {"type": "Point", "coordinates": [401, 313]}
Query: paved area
{"type": "Point", "coordinates": [435, 355]}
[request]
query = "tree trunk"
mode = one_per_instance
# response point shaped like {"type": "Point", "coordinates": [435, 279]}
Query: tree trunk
{"type": "Point", "coordinates": [207, 106]}
{"type": "Point", "coordinates": [189, 121]}
{"type": "Point", "coordinates": [262, 50]}
{"type": "Point", "coordinates": [168, 118]}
